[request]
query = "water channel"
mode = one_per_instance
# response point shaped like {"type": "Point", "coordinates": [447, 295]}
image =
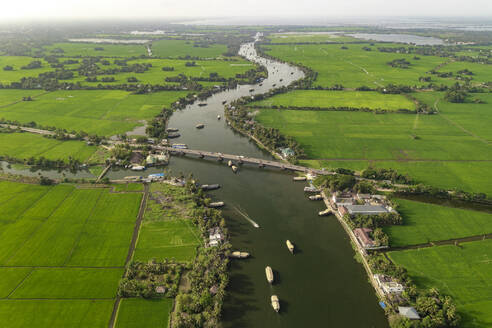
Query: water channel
{"type": "Point", "coordinates": [322, 285]}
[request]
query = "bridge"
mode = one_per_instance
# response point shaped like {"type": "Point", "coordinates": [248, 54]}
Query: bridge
{"type": "Point", "coordinates": [243, 159]}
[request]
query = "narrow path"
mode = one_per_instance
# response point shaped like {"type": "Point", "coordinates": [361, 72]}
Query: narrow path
{"type": "Point", "coordinates": [454, 241]}
{"type": "Point", "coordinates": [459, 126]}
{"type": "Point", "coordinates": [131, 250]}
{"type": "Point", "coordinates": [103, 173]}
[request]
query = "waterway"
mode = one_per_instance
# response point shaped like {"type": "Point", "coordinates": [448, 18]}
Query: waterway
{"type": "Point", "coordinates": [322, 285]}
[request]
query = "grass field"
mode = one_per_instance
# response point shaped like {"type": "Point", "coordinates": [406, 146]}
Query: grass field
{"type": "Point", "coordinates": [481, 73]}
{"type": "Point", "coordinates": [462, 272]}
{"type": "Point", "coordinates": [155, 74]}
{"type": "Point", "coordinates": [423, 223]}
{"type": "Point", "coordinates": [328, 99]}
{"type": "Point", "coordinates": [167, 230]}
{"type": "Point", "coordinates": [9, 96]}
{"type": "Point", "coordinates": [128, 187]}
{"type": "Point", "coordinates": [17, 73]}
{"type": "Point", "coordinates": [95, 112]}
{"type": "Point", "coordinates": [467, 176]}
{"type": "Point", "coordinates": [307, 37]}
{"type": "Point", "coordinates": [355, 67]}
{"type": "Point", "coordinates": [137, 312]}
{"type": "Point", "coordinates": [62, 252]}
{"type": "Point", "coordinates": [182, 48]}
{"type": "Point", "coordinates": [74, 49]}
{"type": "Point", "coordinates": [26, 145]}
{"type": "Point", "coordinates": [360, 135]}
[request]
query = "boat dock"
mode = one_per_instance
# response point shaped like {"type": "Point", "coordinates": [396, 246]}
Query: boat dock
{"type": "Point", "coordinates": [243, 159]}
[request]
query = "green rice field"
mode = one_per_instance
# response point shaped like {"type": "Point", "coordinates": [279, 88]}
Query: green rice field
{"type": "Point", "coordinates": [481, 73]}
{"type": "Point", "coordinates": [308, 37]}
{"type": "Point", "coordinates": [182, 48]}
{"type": "Point", "coordinates": [423, 223]}
{"type": "Point", "coordinates": [463, 272]}
{"type": "Point", "coordinates": [95, 111]}
{"type": "Point", "coordinates": [330, 99]}
{"type": "Point", "coordinates": [137, 312]}
{"type": "Point", "coordinates": [355, 67]}
{"type": "Point", "coordinates": [25, 145]}
{"type": "Point", "coordinates": [17, 62]}
{"type": "Point", "coordinates": [167, 230]}
{"type": "Point", "coordinates": [63, 251]}
{"type": "Point", "coordinates": [83, 49]}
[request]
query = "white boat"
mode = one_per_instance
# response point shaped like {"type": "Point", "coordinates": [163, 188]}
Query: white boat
{"type": "Point", "coordinates": [300, 178]}
{"type": "Point", "coordinates": [229, 163]}
{"type": "Point", "coordinates": [239, 255]}
{"type": "Point", "coordinates": [218, 117]}
{"type": "Point", "coordinates": [275, 303]}
{"type": "Point", "coordinates": [234, 168]}
{"type": "Point", "coordinates": [316, 197]}
{"type": "Point", "coordinates": [311, 189]}
{"type": "Point", "coordinates": [325, 212]}
{"type": "Point", "coordinates": [138, 168]}
{"type": "Point", "coordinates": [290, 246]}
{"type": "Point", "coordinates": [216, 204]}
{"type": "Point", "coordinates": [269, 274]}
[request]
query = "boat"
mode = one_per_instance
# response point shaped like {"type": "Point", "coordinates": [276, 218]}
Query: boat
{"type": "Point", "coordinates": [216, 204]}
{"type": "Point", "coordinates": [172, 130]}
{"type": "Point", "coordinates": [239, 255]}
{"type": "Point", "coordinates": [300, 178]}
{"type": "Point", "coordinates": [202, 104]}
{"type": "Point", "coordinates": [275, 303]}
{"type": "Point", "coordinates": [218, 117]}
{"type": "Point", "coordinates": [325, 212]}
{"type": "Point", "coordinates": [200, 126]}
{"type": "Point", "coordinates": [261, 84]}
{"type": "Point", "coordinates": [179, 146]}
{"type": "Point", "coordinates": [229, 163]}
{"type": "Point", "coordinates": [138, 168]}
{"type": "Point", "coordinates": [269, 274]}
{"type": "Point", "coordinates": [234, 168]}
{"type": "Point", "coordinates": [210, 187]}
{"type": "Point", "coordinates": [274, 85]}
{"type": "Point", "coordinates": [173, 135]}
{"type": "Point", "coordinates": [251, 90]}
{"type": "Point", "coordinates": [281, 80]}
{"type": "Point", "coordinates": [311, 189]}
{"type": "Point", "coordinates": [290, 246]}
{"type": "Point", "coordinates": [316, 197]}
{"type": "Point", "coordinates": [224, 102]}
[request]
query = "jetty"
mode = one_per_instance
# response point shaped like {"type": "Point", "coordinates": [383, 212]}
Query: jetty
{"type": "Point", "coordinates": [244, 159]}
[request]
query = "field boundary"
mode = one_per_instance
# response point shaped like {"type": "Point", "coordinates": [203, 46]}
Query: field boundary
{"type": "Point", "coordinates": [453, 241]}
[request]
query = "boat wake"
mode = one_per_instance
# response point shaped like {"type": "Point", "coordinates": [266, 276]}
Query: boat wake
{"type": "Point", "coordinates": [246, 216]}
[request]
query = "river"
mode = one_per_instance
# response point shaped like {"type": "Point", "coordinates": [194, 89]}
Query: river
{"type": "Point", "coordinates": [322, 285]}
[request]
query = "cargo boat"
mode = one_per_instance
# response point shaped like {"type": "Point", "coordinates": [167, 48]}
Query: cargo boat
{"type": "Point", "coordinates": [269, 274]}
{"type": "Point", "coordinates": [275, 303]}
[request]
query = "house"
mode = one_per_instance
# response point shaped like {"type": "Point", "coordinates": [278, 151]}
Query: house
{"type": "Point", "coordinates": [362, 235]}
{"type": "Point", "coordinates": [341, 199]}
{"type": "Point", "coordinates": [387, 284]}
{"type": "Point", "coordinates": [215, 237]}
{"type": "Point", "coordinates": [409, 312]}
{"type": "Point", "coordinates": [160, 289]}
{"type": "Point", "coordinates": [342, 210]}
{"type": "Point", "coordinates": [364, 197]}
{"type": "Point", "coordinates": [287, 152]}
{"type": "Point", "coordinates": [366, 209]}
{"type": "Point", "coordinates": [153, 159]}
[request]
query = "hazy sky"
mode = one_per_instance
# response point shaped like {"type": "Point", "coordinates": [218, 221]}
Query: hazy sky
{"type": "Point", "coordinates": [13, 9]}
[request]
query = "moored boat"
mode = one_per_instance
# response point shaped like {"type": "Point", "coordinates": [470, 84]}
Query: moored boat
{"type": "Point", "coordinates": [210, 187]}
{"type": "Point", "coordinates": [200, 126]}
{"type": "Point", "coordinates": [290, 246]}
{"type": "Point", "coordinates": [311, 189]}
{"type": "Point", "coordinates": [172, 130]}
{"type": "Point", "coordinates": [202, 104]}
{"type": "Point", "coordinates": [229, 163]}
{"type": "Point", "coordinates": [275, 303]}
{"type": "Point", "coordinates": [179, 146]}
{"type": "Point", "coordinates": [234, 168]}
{"type": "Point", "coordinates": [316, 197]}
{"type": "Point", "coordinates": [269, 274]}
{"type": "Point", "coordinates": [299, 178]}
{"type": "Point", "coordinates": [172, 135]}
{"type": "Point", "coordinates": [216, 204]}
{"type": "Point", "coordinates": [325, 212]}
{"type": "Point", "coordinates": [218, 117]}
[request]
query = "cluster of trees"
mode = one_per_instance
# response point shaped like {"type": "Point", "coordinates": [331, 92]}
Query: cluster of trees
{"type": "Point", "coordinates": [374, 221]}
{"type": "Point", "coordinates": [157, 127]}
{"type": "Point", "coordinates": [456, 96]}
{"type": "Point", "coordinates": [121, 152]}
{"type": "Point", "coordinates": [386, 174]}
{"type": "Point", "coordinates": [337, 182]}
{"type": "Point", "coordinates": [8, 68]}
{"type": "Point", "coordinates": [32, 65]}
{"type": "Point", "coordinates": [141, 279]}
{"type": "Point", "coordinates": [436, 310]}
{"type": "Point", "coordinates": [168, 68]}
{"type": "Point", "coordinates": [421, 189]}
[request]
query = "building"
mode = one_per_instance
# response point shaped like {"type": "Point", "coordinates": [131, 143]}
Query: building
{"type": "Point", "coordinates": [287, 152]}
{"type": "Point", "coordinates": [341, 199]}
{"type": "Point", "coordinates": [154, 159]}
{"type": "Point", "coordinates": [362, 235]}
{"type": "Point", "coordinates": [387, 285]}
{"type": "Point", "coordinates": [342, 210]}
{"type": "Point", "coordinates": [215, 237]}
{"type": "Point", "coordinates": [409, 312]}
{"type": "Point", "coordinates": [365, 209]}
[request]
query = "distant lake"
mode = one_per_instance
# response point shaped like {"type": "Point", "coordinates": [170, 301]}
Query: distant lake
{"type": "Point", "coordinates": [401, 38]}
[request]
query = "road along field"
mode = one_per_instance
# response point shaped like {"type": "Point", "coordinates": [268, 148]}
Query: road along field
{"type": "Point", "coordinates": [93, 111]}
{"type": "Point", "coordinates": [355, 67]}
{"type": "Point", "coordinates": [462, 272]}
{"type": "Point", "coordinates": [337, 99]}
{"type": "Point", "coordinates": [63, 251]}
{"type": "Point", "coordinates": [424, 223]}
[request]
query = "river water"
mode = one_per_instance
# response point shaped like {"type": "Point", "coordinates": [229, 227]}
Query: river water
{"type": "Point", "coordinates": [322, 285]}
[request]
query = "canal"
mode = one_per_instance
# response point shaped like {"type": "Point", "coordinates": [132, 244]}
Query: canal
{"type": "Point", "coordinates": [322, 285]}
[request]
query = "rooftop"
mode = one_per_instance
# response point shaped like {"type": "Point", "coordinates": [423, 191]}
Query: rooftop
{"type": "Point", "coordinates": [366, 209]}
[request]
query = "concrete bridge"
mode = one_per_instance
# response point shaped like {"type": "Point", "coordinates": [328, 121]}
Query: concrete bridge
{"type": "Point", "coordinates": [243, 159]}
